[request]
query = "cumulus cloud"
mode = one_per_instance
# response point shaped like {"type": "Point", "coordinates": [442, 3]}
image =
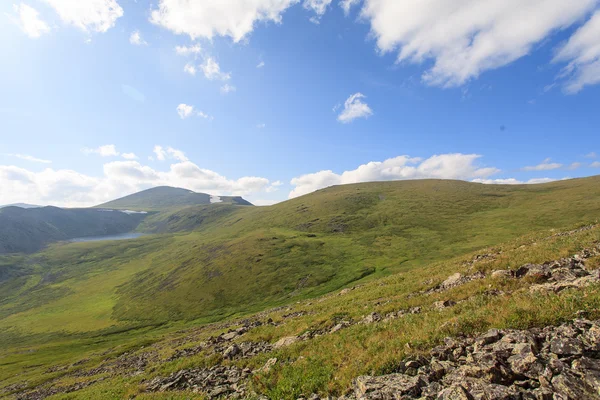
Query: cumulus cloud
{"type": "Point", "coordinates": [574, 166]}
{"type": "Point", "coordinates": [591, 155]}
{"type": "Point", "coordinates": [318, 6]}
{"type": "Point", "coordinates": [108, 150]}
{"type": "Point", "coordinates": [443, 166]}
{"type": "Point", "coordinates": [227, 88]}
{"type": "Point", "coordinates": [209, 18]}
{"type": "Point", "coordinates": [190, 68]}
{"type": "Point", "coordinates": [595, 164]}
{"type": "Point", "coordinates": [545, 165]}
{"type": "Point", "coordinates": [467, 37]}
{"type": "Point", "coordinates": [161, 154]}
{"type": "Point", "coordinates": [136, 39]}
{"type": "Point", "coordinates": [27, 157]}
{"type": "Point", "coordinates": [188, 50]}
{"type": "Point", "coordinates": [28, 20]}
{"type": "Point", "coordinates": [260, 64]}
{"type": "Point", "coordinates": [582, 52]}
{"type": "Point", "coordinates": [129, 156]}
{"type": "Point", "coordinates": [186, 110]}
{"type": "Point", "coordinates": [212, 70]}
{"type": "Point", "coordinates": [73, 189]}
{"type": "Point", "coordinates": [347, 5]}
{"type": "Point", "coordinates": [354, 108]}
{"type": "Point", "coordinates": [88, 15]}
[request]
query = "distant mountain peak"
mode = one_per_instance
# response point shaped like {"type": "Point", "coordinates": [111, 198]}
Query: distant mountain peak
{"type": "Point", "coordinates": [164, 197]}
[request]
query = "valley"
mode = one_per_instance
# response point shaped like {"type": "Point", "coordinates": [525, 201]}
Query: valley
{"type": "Point", "coordinates": [318, 263]}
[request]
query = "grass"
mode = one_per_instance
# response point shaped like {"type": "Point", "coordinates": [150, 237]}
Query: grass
{"type": "Point", "coordinates": [98, 300]}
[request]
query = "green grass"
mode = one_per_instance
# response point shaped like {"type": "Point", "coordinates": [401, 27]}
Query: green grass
{"type": "Point", "coordinates": [219, 262]}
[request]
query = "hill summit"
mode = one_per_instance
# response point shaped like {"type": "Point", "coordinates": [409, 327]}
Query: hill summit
{"type": "Point", "coordinates": [163, 197]}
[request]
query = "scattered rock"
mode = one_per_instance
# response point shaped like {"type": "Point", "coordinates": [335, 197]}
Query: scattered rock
{"type": "Point", "coordinates": [215, 382]}
{"type": "Point", "coordinates": [286, 341]}
{"type": "Point", "coordinates": [440, 305]}
{"type": "Point", "coordinates": [550, 363]}
{"type": "Point", "coordinates": [371, 318]}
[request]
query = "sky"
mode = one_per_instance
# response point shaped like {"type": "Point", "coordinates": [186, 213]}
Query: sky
{"type": "Point", "coordinates": [274, 99]}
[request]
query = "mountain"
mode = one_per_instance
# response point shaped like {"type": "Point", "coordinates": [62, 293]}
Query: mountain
{"type": "Point", "coordinates": [20, 205]}
{"type": "Point", "coordinates": [417, 261]}
{"type": "Point", "coordinates": [165, 197]}
{"type": "Point", "coordinates": [28, 230]}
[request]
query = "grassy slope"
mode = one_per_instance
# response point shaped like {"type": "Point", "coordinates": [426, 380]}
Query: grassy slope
{"type": "Point", "coordinates": [247, 258]}
{"type": "Point", "coordinates": [244, 259]}
{"type": "Point", "coordinates": [328, 364]}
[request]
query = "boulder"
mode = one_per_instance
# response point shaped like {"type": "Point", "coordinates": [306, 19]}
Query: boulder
{"type": "Point", "coordinates": [286, 341]}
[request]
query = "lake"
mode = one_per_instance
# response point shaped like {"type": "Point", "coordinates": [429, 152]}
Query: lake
{"type": "Point", "coordinates": [120, 236]}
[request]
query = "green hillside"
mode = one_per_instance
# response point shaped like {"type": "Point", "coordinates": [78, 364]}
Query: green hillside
{"type": "Point", "coordinates": [367, 329]}
{"type": "Point", "coordinates": [247, 258]}
{"type": "Point", "coordinates": [29, 230]}
{"type": "Point", "coordinates": [165, 197]}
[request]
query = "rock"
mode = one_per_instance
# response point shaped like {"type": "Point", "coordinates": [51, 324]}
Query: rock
{"type": "Point", "coordinates": [394, 386]}
{"type": "Point", "coordinates": [340, 326]}
{"type": "Point", "coordinates": [553, 363]}
{"type": "Point", "coordinates": [268, 365]}
{"type": "Point", "coordinates": [286, 341]}
{"type": "Point", "coordinates": [440, 305]}
{"type": "Point", "coordinates": [231, 351]}
{"type": "Point", "coordinates": [229, 336]}
{"type": "Point", "coordinates": [371, 318]}
{"type": "Point", "coordinates": [502, 274]}
{"type": "Point", "coordinates": [565, 346]}
{"type": "Point", "coordinates": [453, 280]}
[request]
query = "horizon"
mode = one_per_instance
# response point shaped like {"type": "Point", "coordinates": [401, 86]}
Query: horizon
{"type": "Point", "coordinates": [277, 99]}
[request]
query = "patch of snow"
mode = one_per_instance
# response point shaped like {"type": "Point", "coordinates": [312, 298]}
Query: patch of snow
{"type": "Point", "coordinates": [215, 199]}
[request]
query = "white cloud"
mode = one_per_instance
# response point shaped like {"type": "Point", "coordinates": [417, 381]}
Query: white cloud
{"type": "Point", "coordinates": [209, 18]}
{"type": "Point", "coordinates": [464, 38]}
{"type": "Point", "coordinates": [261, 126]}
{"type": "Point", "coordinates": [188, 50]}
{"type": "Point", "coordinates": [318, 6]}
{"type": "Point", "coordinates": [177, 154]}
{"type": "Point", "coordinates": [582, 52]}
{"type": "Point", "coordinates": [227, 88]}
{"type": "Point", "coordinates": [574, 166]}
{"type": "Point", "coordinates": [347, 5]}
{"type": "Point", "coordinates": [73, 189]}
{"type": "Point", "coordinates": [591, 155]}
{"type": "Point", "coordinates": [108, 150]}
{"type": "Point", "coordinates": [28, 20]}
{"type": "Point", "coordinates": [443, 166]}
{"type": "Point", "coordinates": [260, 64]}
{"type": "Point", "coordinates": [129, 156]}
{"type": "Point", "coordinates": [595, 164]}
{"type": "Point", "coordinates": [190, 68]}
{"type": "Point", "coordinates": [136, 39]}
{"type": "Point", "coordinates": [546, 165]}
{"type": "Point", "coordinates": [354, 108]}
{"type": "Point", "coordinates": [185, 111]}
{"type": "Point", "coordinates": [27, 157]}
{"type": "Point", "coordinates": [161, 155]}
{"type": "Point", "coordinates": [88, 15]}
{"type": "Point", "coordinates": [513, 181]}
{"type": "Point", "coordinates": [212, 70]}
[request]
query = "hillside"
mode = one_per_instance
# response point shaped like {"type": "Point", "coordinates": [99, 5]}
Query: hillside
{"type": "Point", "coordinates": [28, 230]}
{"type": "Point", "coordinates": [239, 259]}
{"type": "Point", "coordinates": [165, 197]}
{"type": "Point", "coordinates": [375, 338]}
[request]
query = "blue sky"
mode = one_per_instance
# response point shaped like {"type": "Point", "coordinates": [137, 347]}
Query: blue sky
{"type": "Point", "coordinates": [271, 99]}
